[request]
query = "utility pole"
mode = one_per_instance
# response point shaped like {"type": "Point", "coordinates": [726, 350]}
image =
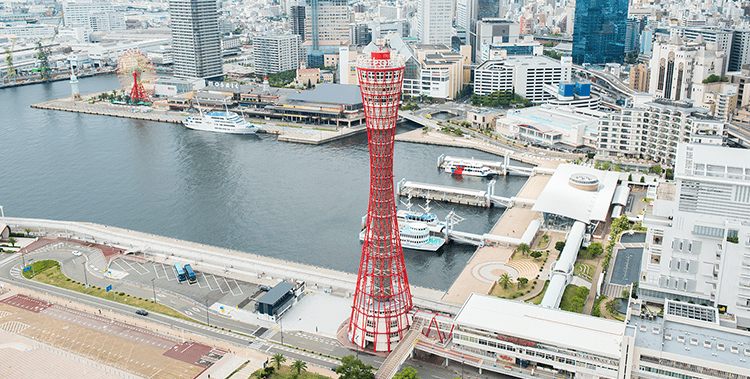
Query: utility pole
{"type": "Point", "coordinates": [207, 323]}
{"type": "Point", "coordinates": [85, 277]}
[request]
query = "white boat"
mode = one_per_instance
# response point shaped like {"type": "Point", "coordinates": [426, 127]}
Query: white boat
{"type": "Point", "coordinates": [222, 122]}
{"type": "Point", "coordinates": [467, 167]}
{"type": "Point", "coordinates": [415, 236]}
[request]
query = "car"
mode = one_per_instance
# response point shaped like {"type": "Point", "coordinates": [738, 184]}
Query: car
{"type": "Point", "coordinates": [77, 253]}
{"type": "Point", "coordinates": [142, 312]}
{"type": "Point", "coordinates": [265, 288]}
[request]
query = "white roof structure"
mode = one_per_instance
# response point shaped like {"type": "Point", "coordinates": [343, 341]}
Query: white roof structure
{"type": "Point", "coordinates": [544, 325]}
{"type": "Point", "coordinates": [561, 198]}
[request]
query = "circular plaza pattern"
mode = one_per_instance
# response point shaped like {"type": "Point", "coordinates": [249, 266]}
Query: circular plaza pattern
{"type": "Point", "coordinates": [490, 272]}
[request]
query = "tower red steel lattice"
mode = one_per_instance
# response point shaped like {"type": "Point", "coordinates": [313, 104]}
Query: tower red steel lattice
{"type": "Point", "coordinates": [382, 299]}
{"type": "Point", "coordinates": [137, 93]}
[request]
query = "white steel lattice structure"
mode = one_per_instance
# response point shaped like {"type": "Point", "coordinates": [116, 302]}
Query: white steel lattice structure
{"type": "Point", "coordinates": [382, 299]}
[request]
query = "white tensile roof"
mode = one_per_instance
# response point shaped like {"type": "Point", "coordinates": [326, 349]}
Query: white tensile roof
{"type": "Point", "coordinates": [560, 198]}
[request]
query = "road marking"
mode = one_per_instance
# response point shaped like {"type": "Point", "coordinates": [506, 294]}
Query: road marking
{"type": "Point", "coordinates": [228, 286]}
{"type": "Point", "coordinates": [217, 284]}
{"type": "Point", "coordinates": [207, 282]}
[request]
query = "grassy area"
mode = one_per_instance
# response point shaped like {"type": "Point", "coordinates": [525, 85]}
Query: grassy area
{"type": "Point", "coordinates": [49, 272]}
{"type": "Point", "coordinates": [538, 298]}
{"type": "Point", "coordinates": [584, 270]}
{"type": "Point", "coordinates": [610, 307]}
{"type": "Point", "coordinates": [513, 291]}
{"type": "Point", "coordinates": [285, 372]}
{"type": "Point", "coordinates": [543, 242]}
{"type": "Point", "coordinates": [574, 298]}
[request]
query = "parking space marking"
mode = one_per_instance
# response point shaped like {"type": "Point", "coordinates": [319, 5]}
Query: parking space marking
{"type": "Point", "coordinates": [156, 271]}
{"type": "Point", "coordinates": [228, 286]}
{"type": "Point", "coordinates": [238, 287]}
{"type": "Point", "coordinates": [139, 264]}
{"type": "Point", "coordinates": [134, 268]}
{"type": "Point", "coordinates": [207, 282]}
{"type": "Point", "coordinates": [118, 265]}
{"type": "Point", "coordinates": [218, 285]}
{"type": "Point", "coordinates": [198, 279]}
{"type": "Point", "coordinates": [167, 272]}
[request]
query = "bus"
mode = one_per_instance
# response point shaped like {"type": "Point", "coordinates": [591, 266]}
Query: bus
{"type": "Point", "coordinates": [190, 274]}
{"type": "Point", "coordinates": [180, 272]}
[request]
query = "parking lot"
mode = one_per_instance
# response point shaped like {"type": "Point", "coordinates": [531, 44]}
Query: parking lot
{"type": "Point", "coordinates": [207, 288]}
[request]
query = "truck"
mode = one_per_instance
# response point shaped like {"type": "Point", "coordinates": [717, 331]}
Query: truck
{"type": "Point", "coordinates": [190, 274]}
{"type": "Point", "coordinates": [181, 277]}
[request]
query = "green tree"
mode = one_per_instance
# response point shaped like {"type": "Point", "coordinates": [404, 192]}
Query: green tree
{"type": "Point", "coordinates": [278, 359]}
{"type": "Point", "coordinates": [595, 249]}
{"type": "Point", "coordinates": [656, 170]}
{"type": "Point", "coordinates": [523, 248]}
{"type": "Point", "coordinates": [559, 245]}
{"type": "Point", "coordinates": [504, 280]}
{"type": "Point", "coordinates": [299, 366]}
{"type": "Point", "coordinates": [625, 293]}
{"type": "Point", "coordinates": [536, 254]}
{"type": "Point", "coordinates": [28, 231]}
{"type": "Point", "coordinates": [630, 177]}
{"type": "Point", "coordinates": [352, 368]}
{"type": "Point", "coordinates": [522, 282]}
{"type": "Point", "coordinates": [643, 179]}
{"type": "Point", "coordinates": [407, 373]}
{"type": "Point", "coordinates": [12, 241]}
{"type": "Point", "coordinates": [267, 372]}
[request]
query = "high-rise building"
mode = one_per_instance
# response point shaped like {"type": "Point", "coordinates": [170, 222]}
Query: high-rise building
{"type": "Point", "coordinates": [326, 22]}
{"type": "Point", "coordinates": [97, 16]}
{"type": "Point", "coordinates": [382, 299]}
{"type": "Point", "coordinates": [196, 48]}
{"type": "Point", "coordinates": [678, 68]}
{"type": "Point", "coordinates": [698, 238]}
{"type": "Point", "coordinates": [639, 76]}
{"type": "Point", "coordinates": [297, 19]}
{"type": "Point", "coordinates": [599, 31]}
{"type": "Point", "coordinates": [434, 22]}
{"type": "Point", "coordinates": [740, 52]}
{"type": "Point", "coordinates": [491, 31]}
{"type": "Point", "coordinates": [277, 53]}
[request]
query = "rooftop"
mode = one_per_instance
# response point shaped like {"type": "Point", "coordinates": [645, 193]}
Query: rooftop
{"type": "Point", "coordinates": [713, 162]}
{"type": "Point", "coordinates": [328, 93]}
{"type": "Point", "coordinates": [539, 324]}
{"type": "Point", "coordinates": [560, 198]}
{"type": "Point", "coordinates": [547, 117]}
{"type": "Point", "coordinates": [276, 293]}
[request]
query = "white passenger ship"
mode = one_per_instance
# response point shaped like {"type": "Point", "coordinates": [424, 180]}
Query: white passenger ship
{"type": "Point", "coordinates": [415, 236]}
{"type": "Point", "coordinates": [468, 167]}
{"type": "Point", "coordinates": [221, 122]}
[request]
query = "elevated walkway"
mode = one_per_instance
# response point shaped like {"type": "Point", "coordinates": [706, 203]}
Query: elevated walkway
{"type": "Point", "coordinates": [498, 168]}
{"type": "Point", "coordinates": [403, 350]}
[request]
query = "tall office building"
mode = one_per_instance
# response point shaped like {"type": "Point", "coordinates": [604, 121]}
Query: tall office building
{"type": "Point", "coordinates": [740, 52]}
{"type": "Point", "coordinates": [599, 31]}
{"type": "Point", "coordinates": [474, 11]}
{"type": "Point", "coordinates": [434, 18]}
{"type": "Point", "coordinates": [298, 20]}
{"type": "Point", "coordinates": [196, 48]}
{"type": "Point", "coordinates": [99, 16]}
{"type": "Point", "coordinates": [326, 22]}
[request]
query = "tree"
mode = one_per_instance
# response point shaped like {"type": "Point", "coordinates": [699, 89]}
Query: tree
{"type": "Point", "coordinates": [278, 359]}
{"type": "Point", "coordinates": [643, 179]}
{"type": "Point", "coordinates": [504, 280]}
{"type": "Point", "coordinates": [536, 254]}
{"type": "Point", "coordinates": [630, 177]}
{"type": "Point", "coordinates": [656, 170]}
{"type": "Point", "coordinates": [12, 241]}
{"type": "Point", "coordinates": [522, 282]}
{"type": "Point", "coordinates": [523, 248]}
{"type": "Point", "coordinates": [595, 249]}
{"type": "Point", "coordinates": [267, 372]}
{"type": "Point", "coordinates": [407, 373]}
{"type": "Point", "coordinates": [625, 293]}
{"type": "Point", "coordinates": [559, 245]}
{"type": "Point", "coordinates": [352, 368]}
{"type": "Point", "coordinates": [299, 366]}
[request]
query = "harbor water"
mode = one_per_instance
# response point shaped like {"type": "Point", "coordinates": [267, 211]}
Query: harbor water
{"type": "Point", "coordinates": [252, 193]}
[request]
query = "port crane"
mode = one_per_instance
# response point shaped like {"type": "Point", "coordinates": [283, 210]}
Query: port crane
{"type": "Point", "coordinates": [43, 52]}
{"type": "Point", "coordinates": [9, 61]}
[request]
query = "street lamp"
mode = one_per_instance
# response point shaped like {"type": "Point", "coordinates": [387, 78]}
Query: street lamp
{"type": "Point", "coordinates": [85, 277]}
{"type": "Point", "coordinates": [33, 274]}
{"type": "Point", "coordinates": [281, 326]}
{"type": "Point", "coordinates": [207, 323]}
{"type": "Point", "coordinates": [154, 288]}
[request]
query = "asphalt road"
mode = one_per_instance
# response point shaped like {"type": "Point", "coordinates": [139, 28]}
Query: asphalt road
{"type": "Point", "coordinates": [73, 267]}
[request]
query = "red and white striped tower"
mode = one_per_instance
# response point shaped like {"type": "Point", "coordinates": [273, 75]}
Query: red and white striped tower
{"type": "Point", "coordinates": [382, 299]}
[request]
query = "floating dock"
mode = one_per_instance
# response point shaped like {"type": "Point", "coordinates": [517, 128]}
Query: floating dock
{"type": "Point", "coordinates": [499, 168]}
{"type": "Point", "coordinates": [456, 195]}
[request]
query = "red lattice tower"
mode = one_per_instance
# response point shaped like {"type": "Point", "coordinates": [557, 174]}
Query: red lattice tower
{"type": "Point", "coordinates": [382, 299]}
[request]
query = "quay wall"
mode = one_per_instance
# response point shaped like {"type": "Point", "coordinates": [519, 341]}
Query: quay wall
{"type": "Point", "coordinates": [233, 263]}
{"type": "Point", "coordinates": [71, 107]}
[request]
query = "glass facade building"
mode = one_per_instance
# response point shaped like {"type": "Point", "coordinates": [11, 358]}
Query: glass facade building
{"type": "Point", "coordinates": [599, 31]}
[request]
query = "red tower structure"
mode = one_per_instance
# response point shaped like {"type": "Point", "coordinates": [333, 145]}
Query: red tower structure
{"type": "Point", "coordinates": [137, 93]}
{"type": "Point", "coordinates": [382, 299]}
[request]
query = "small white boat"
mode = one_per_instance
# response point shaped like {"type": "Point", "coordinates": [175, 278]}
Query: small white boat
{"type": "Point", "coordinates": [467, 167]}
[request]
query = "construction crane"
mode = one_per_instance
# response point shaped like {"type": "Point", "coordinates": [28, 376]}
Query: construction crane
{"type": "Point", "coordinates": [9, 60]}
{"type": "Point", "coordinates": [43, 52]}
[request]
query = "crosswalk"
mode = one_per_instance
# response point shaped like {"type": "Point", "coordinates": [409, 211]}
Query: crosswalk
{"type": "Point", "coordinates": [324, 340]}
{"type": "Point", "coordinates": [14, 327]}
